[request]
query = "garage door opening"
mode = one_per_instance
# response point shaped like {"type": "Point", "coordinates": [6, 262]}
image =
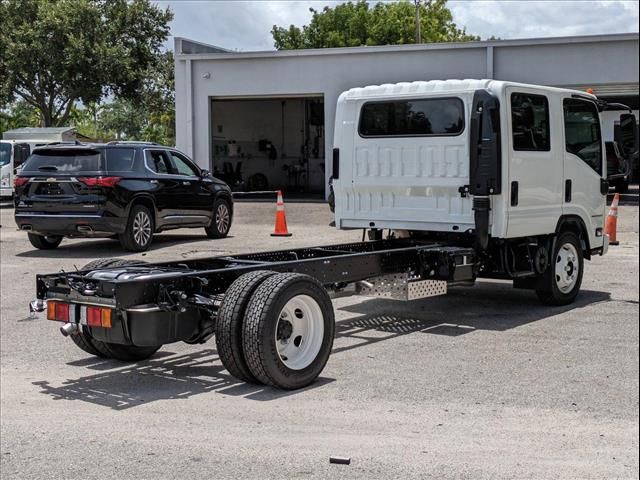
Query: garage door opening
{"type": "Point", "coordinates": [270, 144]}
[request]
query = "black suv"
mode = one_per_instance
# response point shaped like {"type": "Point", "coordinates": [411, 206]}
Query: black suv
{"type": "Point", "coordinates": [126, 189]}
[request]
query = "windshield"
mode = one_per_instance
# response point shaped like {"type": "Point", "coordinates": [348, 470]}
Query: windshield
{"type": "Point", "coordinates": [63, 161]}
{"type": "Point", "coordinates": [5, 154]}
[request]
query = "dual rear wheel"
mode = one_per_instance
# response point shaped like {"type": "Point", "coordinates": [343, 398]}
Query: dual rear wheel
{"type": "Point", "coordinates": [276, 329]}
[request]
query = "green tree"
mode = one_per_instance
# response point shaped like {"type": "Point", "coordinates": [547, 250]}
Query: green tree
{"type": "Point", "coordinates": [54, 53]}
{"type": "Point", "coordinates": [19, 114]}
{"type": "Point", "coordinates": [149, 116]}
{"type": "Point", "coordinates": [354, 24]}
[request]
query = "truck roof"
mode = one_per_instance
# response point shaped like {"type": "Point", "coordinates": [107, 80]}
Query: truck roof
{"type": "Point", "coordinates": [438, 86]}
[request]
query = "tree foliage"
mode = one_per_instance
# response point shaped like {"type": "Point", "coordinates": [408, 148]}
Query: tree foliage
{"type": "Point", "coordinates": [149, 116]}
{"type": "Point", "coordinates": [54, 53]}
{"type": "Point", "coordinates": [355, 24]}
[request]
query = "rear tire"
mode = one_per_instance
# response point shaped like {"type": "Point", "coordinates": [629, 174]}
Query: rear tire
{"type": "Point", "coordinates": [563, 278]}
{"type": "Point", "coordinates": [139, 231]}
{"type": "Point", "coordinates": [129, 353]}
{"type": "Point", "coordinates": [45, 242]}
{"type": "Point", "coordinates": [288, 331]}
{"type": "Point", "coordinates": [85, 342]}
{"type": "Point", "coordinates": [221, 220]}
{"type": "Point", "coordinates": [229, 323]}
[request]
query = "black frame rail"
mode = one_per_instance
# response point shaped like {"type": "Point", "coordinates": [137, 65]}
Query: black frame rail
{"type": "Point", "coordinates": [332, 265]}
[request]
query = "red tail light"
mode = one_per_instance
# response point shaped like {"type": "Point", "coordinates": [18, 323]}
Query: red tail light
{"type": "Point", "coordinates": [58, 311]}
{"type": "Point", "coordinates": [99, 181]}
{"type": "Point", "coordinates": [98, 317]}
{"type": "Point", "coordinates": [20, 181]}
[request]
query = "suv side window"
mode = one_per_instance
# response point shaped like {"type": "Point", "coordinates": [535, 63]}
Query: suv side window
{"type": "Point", "coordinates": [182, 166]}
{"type": "Point", "coordinates": [530, 122]}
{"type": "Point", "coordinates": [119, 159]}
{"type": "Point", "coordinates": [582, 132]}
{"type": "Point", "coordinates": [158, 162]}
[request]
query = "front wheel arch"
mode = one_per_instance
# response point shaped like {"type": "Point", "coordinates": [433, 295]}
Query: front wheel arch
{"type": "Point", "coordinates": [576, 225]}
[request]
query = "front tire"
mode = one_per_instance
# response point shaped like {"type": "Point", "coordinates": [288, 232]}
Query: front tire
{"type": "Point", "coordinates": [563, 278]}
{"type": "Point", "coordinates": [221, 220]}
{"type": "Point", "coordinates": [288, 331]}
{"type": "Point", "coordinates": [139, 231]}
{"type": "Point", "coordinates": [45, 242]}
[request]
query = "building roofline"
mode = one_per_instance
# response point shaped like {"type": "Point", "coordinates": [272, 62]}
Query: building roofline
{"type": "Point", "coordinates": [234, 55]}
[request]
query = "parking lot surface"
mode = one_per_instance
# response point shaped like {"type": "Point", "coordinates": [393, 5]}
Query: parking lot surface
{"type": "Point", "coordinates": [482, 383]}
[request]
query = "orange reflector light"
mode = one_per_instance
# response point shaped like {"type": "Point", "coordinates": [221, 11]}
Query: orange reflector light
{"type": "Point", "coordinates": [98, 317]}
{"type": "Point", "coordinates": [58, 311]}
{"type": "Point", "coordinates": [106, 318]}
{"type": "Point", "coordinates": [590, 90]}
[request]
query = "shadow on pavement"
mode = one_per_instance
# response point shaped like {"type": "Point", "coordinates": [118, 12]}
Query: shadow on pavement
{"type": "Point", "coordinates": [487, 306]}
{"type": "Point", "coordinates": [163, 377]}
{"type": "Point", "coordinates": [97, 248]}
{"type": "Point", "coordinates": [494, 307]}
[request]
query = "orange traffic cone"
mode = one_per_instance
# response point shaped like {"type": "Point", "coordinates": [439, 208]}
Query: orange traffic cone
{"type": "Point", "coordinates": [611, 224]}
{"type": "Point", "coordinates": [281, 219]}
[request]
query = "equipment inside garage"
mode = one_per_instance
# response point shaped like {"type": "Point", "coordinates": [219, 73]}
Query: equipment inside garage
{"type": "Point", "coordinates": [269, 143]}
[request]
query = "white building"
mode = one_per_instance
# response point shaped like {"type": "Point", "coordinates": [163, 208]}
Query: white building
{"type": "Point", "coordinates": [268, 116]}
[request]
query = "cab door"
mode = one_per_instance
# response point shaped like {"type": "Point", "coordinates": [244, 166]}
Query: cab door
{"type": "Point", "coordinates": [584, 166]}
{"type": "Point", "coordinates": [534, 162]}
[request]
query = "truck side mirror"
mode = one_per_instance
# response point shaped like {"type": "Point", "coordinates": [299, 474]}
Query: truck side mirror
{"type": "Point", "coordinates": [628, 134]}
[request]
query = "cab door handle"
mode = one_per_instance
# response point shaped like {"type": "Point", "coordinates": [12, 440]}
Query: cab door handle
{"type": "Point", "coordinates": [567, 191]}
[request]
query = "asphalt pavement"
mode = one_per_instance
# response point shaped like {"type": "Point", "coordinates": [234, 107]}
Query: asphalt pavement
{"type": "Point", "coordinates": [482, 383]}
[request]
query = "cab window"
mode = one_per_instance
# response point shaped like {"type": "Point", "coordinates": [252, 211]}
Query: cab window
{"type": "Point", "coordinates": [582, 132]}
{"type": "Point", "coordinates": [412, 118]}
{"type": "Point", "coordinates": [530, 122]}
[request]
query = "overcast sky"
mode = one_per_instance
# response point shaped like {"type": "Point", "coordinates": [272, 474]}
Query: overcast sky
{"type": "Point", "coordinates": [245, 25]}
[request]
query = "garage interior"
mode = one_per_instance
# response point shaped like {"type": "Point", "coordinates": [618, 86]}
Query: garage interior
{"type": "Point", "coordinates": [269, 144]}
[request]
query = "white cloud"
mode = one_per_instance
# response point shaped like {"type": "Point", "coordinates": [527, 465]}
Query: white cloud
{"type": "Point", "coordinates": [246, 25]}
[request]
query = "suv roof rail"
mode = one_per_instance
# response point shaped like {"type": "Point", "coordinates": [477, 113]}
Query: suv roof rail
{"type": "Point", "coordinates": [131, 142]}
{"type": "Point", "coordinates": [64, 142]}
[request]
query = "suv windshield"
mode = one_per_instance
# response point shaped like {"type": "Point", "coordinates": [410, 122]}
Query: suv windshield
{"type": "Point", "coordinates": [5, 154]}
{"type": "Point", "coordinates": [64, 161]}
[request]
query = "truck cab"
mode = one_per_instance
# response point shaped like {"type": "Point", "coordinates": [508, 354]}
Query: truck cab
{"type": "Point", "coordinates": [503, 166]}
{"type": "Point", "coordinates": [12, 156]}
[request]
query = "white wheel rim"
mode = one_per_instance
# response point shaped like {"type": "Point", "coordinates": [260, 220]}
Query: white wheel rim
{"type": "Point", "coordinates": [141, 228]}
{"type": "Point", "coordinates": [567, 268]}
{"type": "Point", "coordinates": [222, 218]}
{"type": "Point", "coordinates": [299, 332]}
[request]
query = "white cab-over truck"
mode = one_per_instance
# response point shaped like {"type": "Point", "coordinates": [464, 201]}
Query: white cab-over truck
{"type": "Point", "coordinates": [516, 171]}
{"type": "Point", "coordinates": [453, 180]}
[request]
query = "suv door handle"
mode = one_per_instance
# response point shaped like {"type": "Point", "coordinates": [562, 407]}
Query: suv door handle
{"type": "Point", "coordinates": [186, 183]}
{"type": "Point", "coordinates": [155, 182]}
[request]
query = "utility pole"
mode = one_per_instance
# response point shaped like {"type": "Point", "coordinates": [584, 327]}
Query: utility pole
{"type": "Point", "coordinates": [418, 35]}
